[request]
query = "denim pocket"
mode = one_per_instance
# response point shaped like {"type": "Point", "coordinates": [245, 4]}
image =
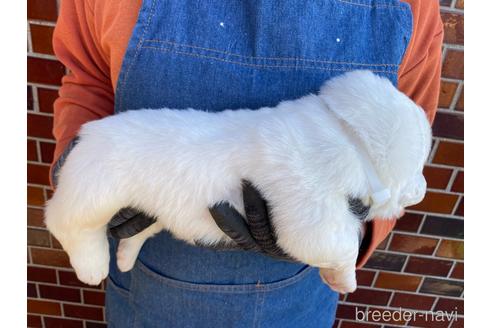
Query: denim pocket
{"type": "Point", "coordinates": [148, 273]}
{"type": "Point", "coordinates": [118, 313]}
{"type": "Point", "coordinates": [300, 300]}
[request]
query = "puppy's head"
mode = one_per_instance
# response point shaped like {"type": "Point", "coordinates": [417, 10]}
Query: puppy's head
{"type": "Point", "coordinates": [393, 130]}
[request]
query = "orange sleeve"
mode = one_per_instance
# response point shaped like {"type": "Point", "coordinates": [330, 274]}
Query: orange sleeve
{"type": "Point", "coordinates": [86, 93]}
{"type": "Point", "coordinates": [419, 78]}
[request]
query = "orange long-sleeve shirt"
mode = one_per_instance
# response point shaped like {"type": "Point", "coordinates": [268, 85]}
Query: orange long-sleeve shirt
{"type": "Point", "coordinates": [91, 38]}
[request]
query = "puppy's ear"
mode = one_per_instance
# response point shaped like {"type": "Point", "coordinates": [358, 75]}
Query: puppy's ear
{"type": "Point", "coordinates": [390, 125]}
{"type": "Point", "coordinates": [356, 93]}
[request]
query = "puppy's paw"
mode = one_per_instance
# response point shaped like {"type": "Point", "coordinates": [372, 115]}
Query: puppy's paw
{"type": "Point", "coordinates": [91, 268]}
{"type": "Point", "coordinates": [341, 281]}
{"type": "Point", "coordinates": [127, 254]}
{"type": "Point", "coordinates": [89, 256]}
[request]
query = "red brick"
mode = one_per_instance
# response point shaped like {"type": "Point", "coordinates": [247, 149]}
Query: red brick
{"type": "Point", "coordinates": [42, 9]}
{"type": "Point", "coordinates": [62, 323]}
{"type": "Point", "coordinates": [39, 126]}
{"type": "Point", "coordinates": [450, 305]}
{"type": "Point", "coordinates": [365, 277]}
{"type": "Point", "coordinates": [40, 70]}
{"type": "Point", "coordinates": [50, 257]}
{"type": "Point", "coordinates": [30, 99]}
{"type": "Point", "coordinates": [437, 203]}
{"type": "Point", "coordinates": [46, 98]}
{"type": "Point", "coordinates": [41, 37]}
{"type": "Point", "coordinates": [34, 321]}
{"type": "Point", "coordinates": [60, 293]}
{"type": "Point", "coordinates": [460, 210]}
{"type": "Point", "coordinates": [459, 323]}
{"type": "Point", "coordinates": [38, 174]}
{"type": "Point", "coordinates": [55, 243]}
{"type": "Point", "coordinates": [451, 249]}
{"type": "Point", "coordinates": [444, 287]}
{"type": "Point", "coordinates": [43, 307]}
{"type": "Point", "coordinates": [459, 182]}
{"type": "Point", "coordinates": [41, 274]}
{"type": "Point", "coordinates": [437, 177]}
{"type": "Point", "coordinates": [47, 150]}
{"type": "Point", "coordinates": [90, 324]}
{"type": "Point", "coordinates": [458, 271]}
{"type": "Point", "coordinates": [35, 196]}
{"type": "Point", "coordinates": [38, 237]}
{"type": "Point", "coordinates": [345, 311]}
{"type": "Point", "coordinates": [83, 312]}
{"type": "Point", "coordinates": [68, 278]}
{"type": "Point", "coordinates": [432, 267]}
{"type": "Point", "coordinates": [422, 321]}
{"type": "Point", "coordinates": [409, 222]}
{"type": "Point", "coordinates": [397, 281]}
{"type": "Point", "coordinates": [31, 290]}
{"type": "Point", "coordinates": [460, 105]}
{"type": "Point", "coordinates": [94, 297]}
{"type": "Point", "coordinates": [35, 217]}
{"type": "Point", "coordinates": [412, 301]}
{"type": "Point", "coordinates": [369, 296]}
{"type": "Point", "coordinates": [453, 28]}
{"type": "Point", "coordinates": [413, 244]}
{"type": "Point", "coordinates": [448, 125]}
{"type": "Point", "coordinates": [446, 94]}
{"type": "Point", "coordinates": [386, 261]}
{"type": "Point", "coordinates": [32, 153]}
{"type": "Point", "coordinates": [49, 193]}
{"type": "Point", "coordinates": [443, 227]}
{"type": "Point", "coordinates": [453, 65]}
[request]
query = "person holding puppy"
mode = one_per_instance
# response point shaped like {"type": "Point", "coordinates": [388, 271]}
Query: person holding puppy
{"type": "Point", "coordinates": [126, 55]}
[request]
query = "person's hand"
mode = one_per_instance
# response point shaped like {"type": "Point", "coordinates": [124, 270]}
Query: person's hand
{"type": "Point", "coordinates": [128, 222]}
{"type": "Point", "coordinates": [255, 232]}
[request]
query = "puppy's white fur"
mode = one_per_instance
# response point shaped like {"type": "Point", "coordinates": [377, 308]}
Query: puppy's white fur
{"type": "Point", "coordinates": [174, 164]}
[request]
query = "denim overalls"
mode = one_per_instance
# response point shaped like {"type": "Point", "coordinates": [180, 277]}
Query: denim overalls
{"type": "Point", "coordinates": [216, 55]}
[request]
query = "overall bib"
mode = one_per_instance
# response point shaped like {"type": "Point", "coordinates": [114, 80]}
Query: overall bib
{"type": "Point", "coordinates": [217, 55]}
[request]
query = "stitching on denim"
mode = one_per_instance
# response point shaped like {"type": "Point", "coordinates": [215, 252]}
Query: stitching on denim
{"type": "Point", "coordinates": [407, 17]}
{"type": "Point", "coordinates": [263, 58]}
{"type": "Point", "coordinates": [137, 51]}
{"type": "Point", "coordinates": [224, 289]}
{"type": "Point", "coordinates": [357, 3]}
{"type": "Point", "coordinates": [257, 303]}
{"type": "Point", "coordinates": [258, 310]}
{"type": "Point", "coordinates": [263, 65]}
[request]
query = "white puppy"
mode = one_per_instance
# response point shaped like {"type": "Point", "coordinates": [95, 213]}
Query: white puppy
{"type": "Point", "coordinates": [359, 137]}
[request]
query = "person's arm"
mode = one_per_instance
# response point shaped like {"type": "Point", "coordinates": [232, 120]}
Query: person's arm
{"type": "Point", "coordinates": [86, 93]}
{"type": "Point", "coordinates": [419, 78]}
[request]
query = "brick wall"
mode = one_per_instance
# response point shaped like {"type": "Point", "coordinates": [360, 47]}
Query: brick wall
{"type": "Point", "coordinates": [55, 297]}
{"type": "Point", "coordinates": [419, 267]}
